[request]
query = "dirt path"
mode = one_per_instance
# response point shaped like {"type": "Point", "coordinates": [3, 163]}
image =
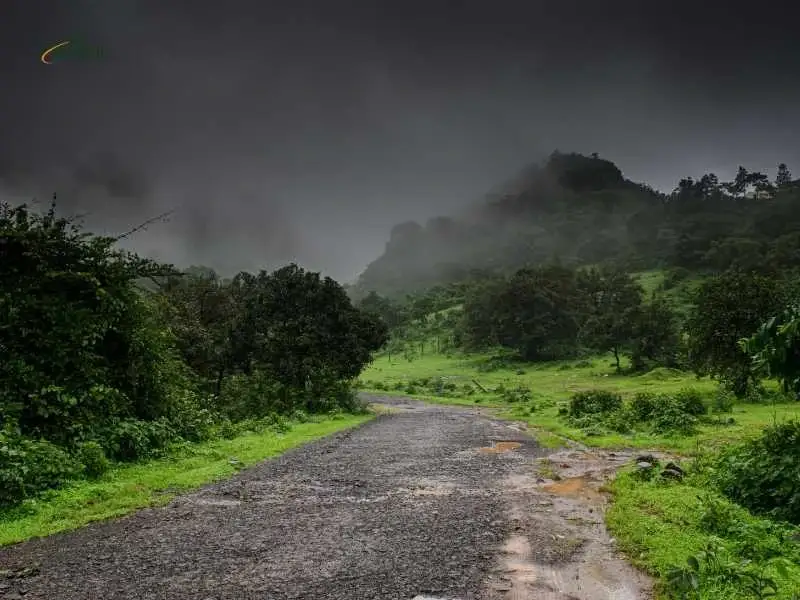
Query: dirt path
{"type": "Point", "coordinates": [423, 502]}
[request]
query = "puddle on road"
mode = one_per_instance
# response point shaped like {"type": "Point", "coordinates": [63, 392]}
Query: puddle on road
{"type": "Point", "coordinates": [582, 488]}
{"type": "Point", "coordinates": [500, 447]}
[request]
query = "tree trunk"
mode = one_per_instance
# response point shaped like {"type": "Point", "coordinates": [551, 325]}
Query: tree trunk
{"type": "Point", "coordinates": [616, 358]}
{"type": "Point", "coordinates": [218, 384]}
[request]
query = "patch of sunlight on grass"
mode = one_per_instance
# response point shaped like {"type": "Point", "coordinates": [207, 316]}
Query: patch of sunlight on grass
{"type": "Point", "coordinates": [154, 483]}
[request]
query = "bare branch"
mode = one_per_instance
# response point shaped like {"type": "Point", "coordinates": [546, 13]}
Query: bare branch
{"type": "Point", "coordinates": [162, 217]}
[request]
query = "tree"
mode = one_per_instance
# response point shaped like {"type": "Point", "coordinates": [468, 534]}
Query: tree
{"type": "Point", "coordinates": [538, 313]}
{"type": "Point", "coordinates": [760, 183]}
{"type": "Point", "coordinates": [783, 178]}
{"type": "Point", "coordinates": [614, 302]}
{"type": "Point", "coordinates": [745, 253]}
{"type": "Point", "coordinates": [775, 349]}
{"type": "Point", "coordinates": [306, 332]}
{"type": "Point", "coordinates": [200, 309]}
{"type": "Point", "coordinates": [727, 308]}
{"type": "Point", "coordinates": [81, 345]}
{"type": "Point", "coordinates": [739, 184]}
{"type": "Point", "coordinates": [383, 308]}
{"type": "Point", "coordinates": [656, 339]}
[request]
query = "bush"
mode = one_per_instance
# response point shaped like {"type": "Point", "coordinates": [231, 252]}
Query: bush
{"type": "Point", "coordinates": [691, 402]}
{"type": "Point", "coordinates": [519, 394]}
{"type": "Point", "coordinates": [671, 418]}
{"type": "Point", "coordinates": [93, 458]}
{"type": "Point", "coordinates": [135, 440]}
{"type": "Point", "coordinates": [723, 401]}
{"type": "Point", "coordinates": [31, 466]}
{"type": "Point", "coordinates": [762, 474]}
{"type": "Point", "coordinates": [594, 402]}
{"type": "Point", "coordinates": [192, 422]}
{"type": "Point", "coordinates": [643, 407]}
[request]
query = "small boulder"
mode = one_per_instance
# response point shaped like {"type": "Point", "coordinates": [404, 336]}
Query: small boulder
{"type": "Point", "coordinates": [673, 467]}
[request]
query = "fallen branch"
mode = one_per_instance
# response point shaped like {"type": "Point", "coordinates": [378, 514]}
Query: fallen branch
{"type": "Point", "coordinates": [483, 389]}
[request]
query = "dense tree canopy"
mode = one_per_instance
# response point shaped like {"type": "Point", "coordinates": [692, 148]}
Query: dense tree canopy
{"type": "Point", "coordinates": [93, 363]}
{"type": "Point", "coordinates": [729, 307]}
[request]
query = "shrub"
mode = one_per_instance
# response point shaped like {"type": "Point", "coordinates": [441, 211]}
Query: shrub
{"type": "Point", "coordinates": [131, 440]}
{"type": "Point", "coordinates": [594, 402]}
{"type": "Point", "coordinates": [691, 402]}
{"type": "Point", "coordinates": [643, 407]}
{"type": "Point", "coordinates": [192, 422]}
{"type": "Point", "coordinates": [762, 474]}
{"type": "Point", "coordinates": [93, 458]}
{"type": "Point", "coordinates": [519, 394]}
{"type": "Point", "coordinates": [30, 466]}
{"type": "Point", "coordinates": [670, 417]}
{"type": "Point", "coordinates": [723, 401]}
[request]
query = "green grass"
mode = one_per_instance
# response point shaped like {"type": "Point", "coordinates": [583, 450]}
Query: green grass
{"type": "Point", "coordinates": [554, 383]}
{"type": "Point", "coordinates": [131, 487]}
{"type": "Point", "coordinates": [660, 525]}
{"type": "Point", "coordinates": [679, 295]}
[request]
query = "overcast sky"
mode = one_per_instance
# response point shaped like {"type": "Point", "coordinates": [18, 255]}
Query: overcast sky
{"type": "Point", "coordinates": [304, 130]}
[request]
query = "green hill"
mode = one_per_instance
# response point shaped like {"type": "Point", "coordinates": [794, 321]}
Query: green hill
{"type": "Point", "coordinates": [582, 210]}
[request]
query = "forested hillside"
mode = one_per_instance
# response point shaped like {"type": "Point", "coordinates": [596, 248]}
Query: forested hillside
{"type": "Point", "coordinates": [582, 210]}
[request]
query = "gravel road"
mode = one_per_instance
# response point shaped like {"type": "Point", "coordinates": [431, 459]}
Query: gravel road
{"type": "Point", "coordinates": [408, 505]}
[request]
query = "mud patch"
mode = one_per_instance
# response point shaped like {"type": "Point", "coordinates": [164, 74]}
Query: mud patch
{"type": "Point", "coordinates": [559, 548]}
{"type": "Point", "coordinates": [500, 447]}
{"type": "Point", "coordinates": [582, 488]}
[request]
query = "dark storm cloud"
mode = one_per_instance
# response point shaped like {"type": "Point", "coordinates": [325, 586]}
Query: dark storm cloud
{"type": "Point", "coordinates": [304, 130]}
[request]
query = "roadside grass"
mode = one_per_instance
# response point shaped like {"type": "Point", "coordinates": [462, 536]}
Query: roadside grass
{"type": "Point", "coordinates": [659, 526]}
{"type": "Point", "coordinates": [154, 483]}
{"type": "Point", "coordinates": [552, 384]}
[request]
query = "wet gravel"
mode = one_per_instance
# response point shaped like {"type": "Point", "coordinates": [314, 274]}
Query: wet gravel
{"type": "Point", "coordinates": [402, 506]}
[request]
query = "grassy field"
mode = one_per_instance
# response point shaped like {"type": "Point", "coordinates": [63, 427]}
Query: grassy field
{"type": "Point", "coordinates": [553, 383]}
{"type": "Point", "coordinates": [131, 487]}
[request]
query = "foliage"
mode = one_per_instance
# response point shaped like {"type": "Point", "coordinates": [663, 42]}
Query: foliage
{"type": "Point", "coordinates": [93, 458]}
{"type": "Point", "coordinates": [775, 349]}
{"type": "Point", "coordinates": [594, 402]}
{"type": "Point", "coordinates": [536, 312]}
{"type": "Point", "coordinates": [655, 339]}
{"type": "Point", "coordinates": [762, 474]}
{"type": "Point", "coordinates": [96, 367]}
{"type": "Point", "coordinates": [698, 543]}
{"type": "Point", "coordinates": [662, 414]}
{"type": "Point", "coordinates": [80, 345]}
{"type": "Point", "coordinates": [727, 308]}
{"type": "Point", "coordinates": [614, 304]}
{"type": "Point", "coordinates": [28, 466]}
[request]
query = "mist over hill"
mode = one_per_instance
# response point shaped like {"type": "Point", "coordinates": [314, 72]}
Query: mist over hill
{"type": "Point", "coordinates": [579, 209]}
